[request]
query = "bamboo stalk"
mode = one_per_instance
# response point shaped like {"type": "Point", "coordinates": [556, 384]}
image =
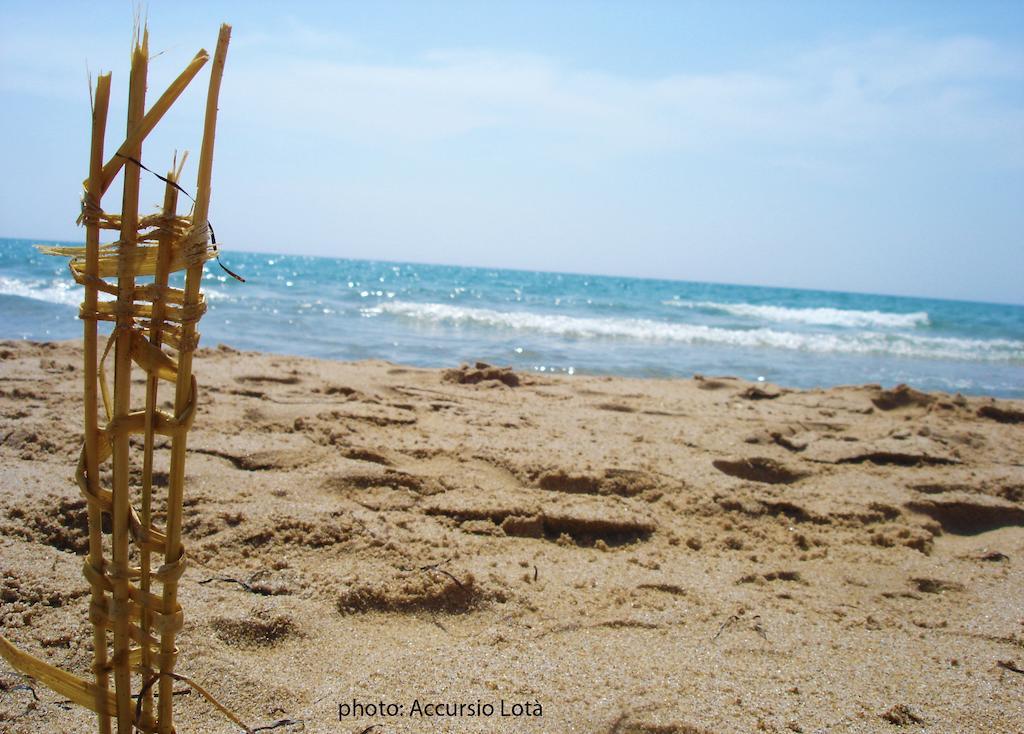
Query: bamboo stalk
{"type": "Point", "coordinates": [152, 386]}
{"type": "Point", "coordinates": [122, 394]}
{"type": "Point", "coordinates": [134, 138]}
{"type": "Point", "coordinates": [92, 239]}
{"type": "Point", "coordinates": [183, 388]}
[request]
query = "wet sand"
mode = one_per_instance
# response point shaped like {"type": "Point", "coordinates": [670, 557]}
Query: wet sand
{"type": "Point", "coordinates": [617, 555]}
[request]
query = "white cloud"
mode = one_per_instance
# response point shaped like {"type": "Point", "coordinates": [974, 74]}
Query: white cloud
{"type": "Point", "coordinates": [836, 94]}
{"type": "Point", "coordinates": [301, 79]}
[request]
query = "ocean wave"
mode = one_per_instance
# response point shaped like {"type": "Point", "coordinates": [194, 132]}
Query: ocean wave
{"type": "Point", "coordinates": [811, 316]}
{"type": "Point", "coordinates": [212, 294]}
{"type": "Point", "coordinates": [863, 342]}
{"type": "Point", "coordinates": [69, 293]}
{"type": "Point", "coordinates": [65, 293]}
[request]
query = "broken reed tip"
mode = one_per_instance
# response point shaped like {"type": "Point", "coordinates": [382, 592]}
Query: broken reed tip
{"type": "Point", "coordinates": [140, 37]}
{"type": "Point", "coordinates": [142, 48]}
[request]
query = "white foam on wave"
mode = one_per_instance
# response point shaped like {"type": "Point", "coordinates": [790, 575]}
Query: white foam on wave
{"type": "Point", "coordinates": [63, 292]}
{"type": "Point", "coordinates": [863, 342]}
{"type": "Point", "coordinates": [213, 294]}
{"type": "Point", "coordinates": [812, 316]}
{"type": "Point", "coordinates": [69, 293]}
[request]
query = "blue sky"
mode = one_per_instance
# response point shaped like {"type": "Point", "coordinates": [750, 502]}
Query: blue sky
{"type": "Point", "coordinates": [860, 146]}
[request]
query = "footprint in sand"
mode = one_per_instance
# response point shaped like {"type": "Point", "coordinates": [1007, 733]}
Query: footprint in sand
{"type": "Point", "coordinates": [759, 469]}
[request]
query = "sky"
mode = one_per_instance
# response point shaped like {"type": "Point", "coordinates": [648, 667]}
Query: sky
{"type": "Point", "coordinates": [858, 146]}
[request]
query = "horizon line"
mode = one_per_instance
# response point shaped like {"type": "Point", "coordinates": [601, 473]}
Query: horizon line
{"type": "Point", "coordinates": [1019, 304]}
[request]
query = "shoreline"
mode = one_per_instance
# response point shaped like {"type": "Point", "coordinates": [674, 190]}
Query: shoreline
{"type": "Point", "coordinates": [634, 554]}
{"type": "Point", "coordinates": [1016, 404]}
{"type": "Point", "coordinates": [438, 316]}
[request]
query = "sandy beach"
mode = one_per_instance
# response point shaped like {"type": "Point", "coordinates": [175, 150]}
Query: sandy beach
{"type": "Point", "coordinates": [569, 553]}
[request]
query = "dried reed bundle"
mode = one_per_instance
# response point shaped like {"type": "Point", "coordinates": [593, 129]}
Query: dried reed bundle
{"type": "Point", "coordinates": [142, 259]}
{"type": "Point", "coordinates": [138, 605]}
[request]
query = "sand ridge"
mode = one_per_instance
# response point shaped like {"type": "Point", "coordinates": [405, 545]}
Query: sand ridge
{"type": "Point", "coordinates": [678, 556]}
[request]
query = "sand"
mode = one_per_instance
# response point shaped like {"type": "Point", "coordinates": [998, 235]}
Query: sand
{"type": "Point", "coordinates": [615, 555]}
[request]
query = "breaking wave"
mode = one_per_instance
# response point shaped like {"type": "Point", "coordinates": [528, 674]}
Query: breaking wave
{"type": "Point", "coordinates": [68, 293]}
{"type": "Point", "coordinates": [862, 342]}
{"type": "Point", "coordinates": [815, 316]}
{"type": "Point", "coordinates": [63, 292]}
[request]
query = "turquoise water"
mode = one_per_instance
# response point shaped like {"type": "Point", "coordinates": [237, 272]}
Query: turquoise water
{"type": "Point", "coordinates": [431, 315]}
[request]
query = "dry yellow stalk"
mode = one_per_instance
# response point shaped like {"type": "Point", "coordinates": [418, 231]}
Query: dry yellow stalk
{"type": "Point", "coordinates": [184, 384]}
{"type": "Point", "coordinates": [144, 622]}
{"type": "Point", "coordinates": [161, 367]}
{"type": "Point", "coordinates": [122, 335]}
{"type": "Point", "coordinates": [135, 136]}
{"type": "Point", "coordinates": [88, 695]}
{"type": "Point", "coordinates": [92, 235]}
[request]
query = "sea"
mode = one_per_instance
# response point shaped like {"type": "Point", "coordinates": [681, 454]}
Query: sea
{"type": "Point", "coordinates": [441, 316]}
